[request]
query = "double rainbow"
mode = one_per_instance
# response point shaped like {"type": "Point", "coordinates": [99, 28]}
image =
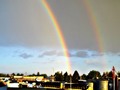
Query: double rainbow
{"type": "Point", "coordinates": [94, 25]}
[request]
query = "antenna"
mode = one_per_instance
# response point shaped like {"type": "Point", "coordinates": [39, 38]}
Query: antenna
{"type": "Point", "coordinates": [25, 73]}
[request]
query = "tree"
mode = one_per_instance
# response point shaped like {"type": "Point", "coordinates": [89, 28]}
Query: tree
{"type": "Point", "coordinates": [110, 74]}
{"type": "Point", "coordinates": [94, 74]}
{"type": "Point", "coordinates": [84, 76]}
{"type": "Point", "coordinates": [38, 74]}
{"type": "Point", "coordinates": [66, 77]}
{"type": "Point", "coordinates": [118, 73]}
{"type": "Point", "coordinates": [45, 75]}
{"type": "Point", "coordinates": [33, 74]}
{"type": "Point", "coordinates": [58, 76]}
{"type": "Point", "coordinates": [2, 75]}
{"type": "Point", "coordinates": [22, 74]}
{"type": "Point", "coordinates": [75, 77]}
{"type": "Point", "coordinates": [13, 74]}
{"type": "Point", "coordinates": [105, 75]}
{"type": "Point", "coordinates": [18, 74]}
{"type": "Point", "coordinates": [7, 75]}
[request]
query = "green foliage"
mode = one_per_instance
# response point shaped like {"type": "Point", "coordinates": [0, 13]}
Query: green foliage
{"type": "Point", "coordinates": [66, 77]}
{"type": "Point", "coordinates": [38, 74]}
{"type": "Point", "coordinates": [19, 74]}
{"type": "Point", "coordinates": [84, 76]}
{"type": "Point", "coordinates": [110, 74]}
{"type": "Point", "coordinates": [75, 77]}
{"type": "Point", "coordinates": [33, 74]}
{"type": "Point", "coordinates": [58, 76]}
{"type": "Point", "coordinates": [13, 74]}
{"type": "Point", "coordinates": [7, 75]}
{"type": "Point", "coordinates": [45, 75]}
{"type": "Point", "coordinates": [22, 74]}
{"type": "Point", "coordinates": [118, 73]}
{"type": "Point", "coordinates": [105, 75]}
{"type": "Point", "coordinates": [2, 75]}
{"type": "Point", "coordinates": [94, 74]}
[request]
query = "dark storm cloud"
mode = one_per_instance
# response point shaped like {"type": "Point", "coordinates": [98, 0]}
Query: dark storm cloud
{"type": "Point", "coordinates": [25, 55]}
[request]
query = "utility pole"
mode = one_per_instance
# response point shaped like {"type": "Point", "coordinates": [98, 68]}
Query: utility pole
{"type": "Point", "coordinates": [113, 77]}
{"type": "Point", "coordinates": [70, 82]}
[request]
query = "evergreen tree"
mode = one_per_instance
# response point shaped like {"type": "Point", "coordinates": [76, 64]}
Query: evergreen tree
{"type": "Point", "coordinates": [66, 77]}
{"type": "Point", "coordinates": [38, 74]}
{"type": "Point", "coordinates": [75, 77]}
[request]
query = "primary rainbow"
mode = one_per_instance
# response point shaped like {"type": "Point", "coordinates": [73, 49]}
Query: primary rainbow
{"type": "Point", "coordinates": [59, 33]}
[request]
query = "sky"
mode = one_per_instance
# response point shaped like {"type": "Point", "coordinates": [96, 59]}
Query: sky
{"type": "Point", "coordinates": [29, 42]}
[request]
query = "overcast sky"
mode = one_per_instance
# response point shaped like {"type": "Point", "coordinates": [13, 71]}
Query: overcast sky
{"type": "Point", "coordinates": [29, 42]}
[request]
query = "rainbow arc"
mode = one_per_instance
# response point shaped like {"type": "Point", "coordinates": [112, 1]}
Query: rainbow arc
{"type": "Point", "coordinates": [59, 33]}
{"type": "Point", "coordinates": [94, 24]}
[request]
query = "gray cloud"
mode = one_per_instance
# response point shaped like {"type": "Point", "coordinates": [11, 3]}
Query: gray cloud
{"type": "Point", "coordinates": [48, 53]}
{"type": "Point", "coordinates": [97, 54]}
{"type": "Point", "coordinates": [27, 26]}
{"type": "Point", "coordinates": [76, 54]}
{"type": "Point", "coordinates": [81, 54]}
{"type": "Point", "coordinates": [25, 55]}
{"type": "Point", "coordinates": [78, 25]}
{"type": "Point", "coordinates": [61, 53]}
{"type": "Point", "coordinates": [30, 26]}
{"type": "Point", "coordinates": [54, 53]}
{"type": "Point", "coordinates": [94, 62]}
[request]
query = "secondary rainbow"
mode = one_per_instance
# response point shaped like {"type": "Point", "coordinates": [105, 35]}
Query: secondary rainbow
{"type": "Point", "coordinates": [96, 29]}
{"type": "Point", "coordinates": [59, 33]}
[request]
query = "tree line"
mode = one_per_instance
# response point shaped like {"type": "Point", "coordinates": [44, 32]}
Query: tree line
{"type": "Point", "coordinates": [59, 76]}
{"type": "Point", "coordinates": [91, 75]}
